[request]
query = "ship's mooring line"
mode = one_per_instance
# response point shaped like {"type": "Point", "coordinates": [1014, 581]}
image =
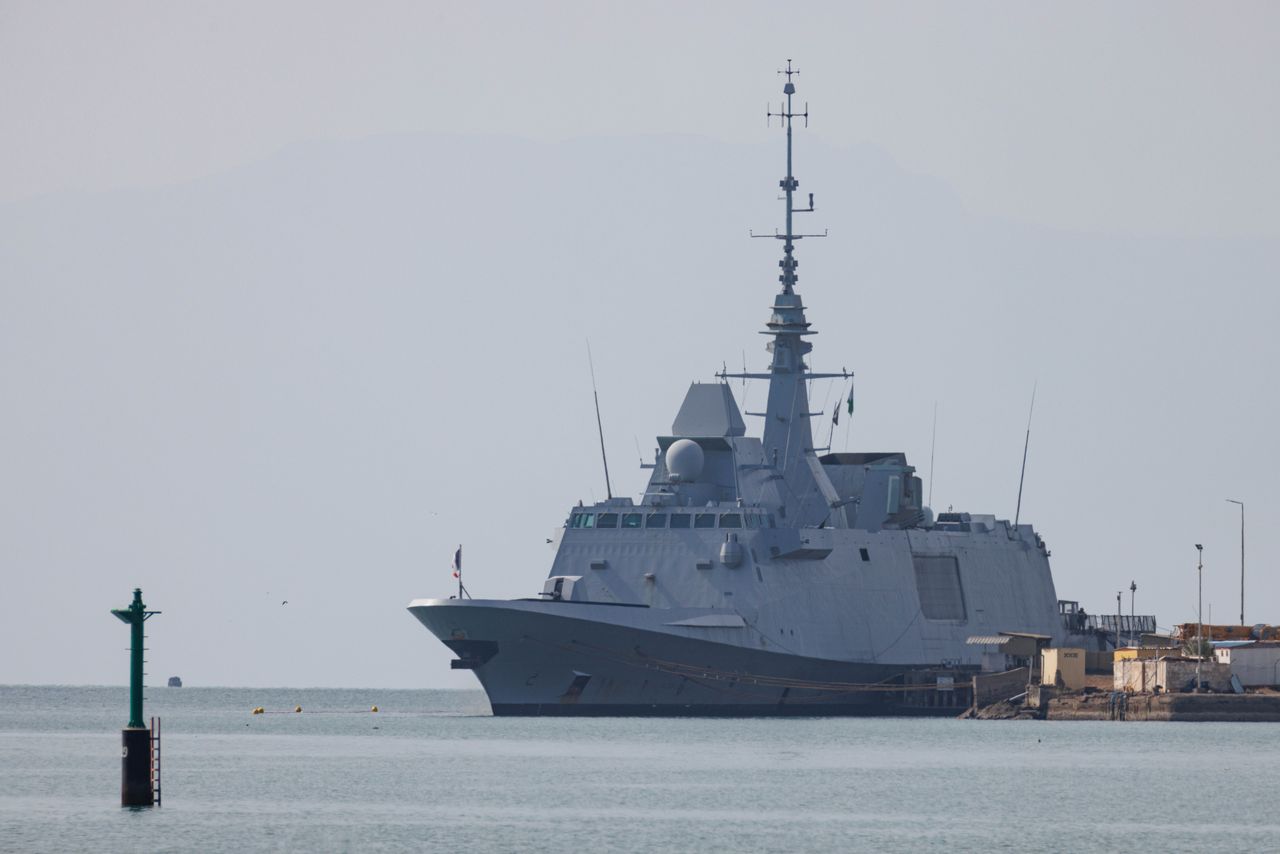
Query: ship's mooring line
{"type": "Point", "coordinates": [904, 631]}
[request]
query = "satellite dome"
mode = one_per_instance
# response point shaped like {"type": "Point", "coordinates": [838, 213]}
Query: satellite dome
{"type": "Point", "coordinates": [684, 460]}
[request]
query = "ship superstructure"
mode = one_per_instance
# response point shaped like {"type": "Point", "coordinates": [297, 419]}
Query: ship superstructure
{"type": "Point", "coordinates": [758, 575]}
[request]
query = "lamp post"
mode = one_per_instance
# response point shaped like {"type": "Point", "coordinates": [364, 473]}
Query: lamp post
{"type": "Point", "coordinates": [1118, 595]}
{"type": "Point", "coordinates": [1199, 612]}
{"type": "Point", "coordinates": [1241, 503]}
{"type": "Point", "coordinates": [1133, 590]}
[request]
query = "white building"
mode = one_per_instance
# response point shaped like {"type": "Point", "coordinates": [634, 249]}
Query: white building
{"type": "Point", "coordinates": [1254, 664]}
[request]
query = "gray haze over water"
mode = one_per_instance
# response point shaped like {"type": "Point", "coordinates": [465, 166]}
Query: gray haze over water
{"type": "Point", "coordinates": [295, 300]}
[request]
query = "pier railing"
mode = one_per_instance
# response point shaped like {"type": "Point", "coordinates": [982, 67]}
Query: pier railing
{"type": "Point", "coordinates": [1128, 625]}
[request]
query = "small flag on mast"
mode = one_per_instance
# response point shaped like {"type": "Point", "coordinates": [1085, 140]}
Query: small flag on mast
{"type": "Point", "coordinates": [850, 398]}
{"type": "Point", "coordinates": [457, 564]}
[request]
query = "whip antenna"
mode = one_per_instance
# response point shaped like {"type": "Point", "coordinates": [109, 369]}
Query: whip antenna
{"type": "Point", "coordinates": [1025, 445]}
{"type": "Point", "coordinates": [608, 488]}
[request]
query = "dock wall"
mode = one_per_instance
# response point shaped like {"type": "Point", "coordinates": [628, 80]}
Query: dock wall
{"type": "Point", "coordinates": [991, 688]}
{"type": "Point", "coordinates": [1169, 707]}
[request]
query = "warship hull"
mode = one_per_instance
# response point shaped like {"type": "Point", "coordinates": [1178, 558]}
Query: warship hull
{"type": "Point", "coordinates": [537, 658]}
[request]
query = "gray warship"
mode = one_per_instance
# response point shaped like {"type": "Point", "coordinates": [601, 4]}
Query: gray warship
{"type": "Point", "coordinates": [762, 576]}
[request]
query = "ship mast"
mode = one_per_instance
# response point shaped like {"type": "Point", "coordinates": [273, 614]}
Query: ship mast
{"type": "Point", "coordinates": [789, 184]}
{"type": "Point", "coordinates": [788, 437]}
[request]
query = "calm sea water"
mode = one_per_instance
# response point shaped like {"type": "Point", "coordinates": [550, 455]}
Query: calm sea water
{"type": "Point", "coordinates": [433, 771]}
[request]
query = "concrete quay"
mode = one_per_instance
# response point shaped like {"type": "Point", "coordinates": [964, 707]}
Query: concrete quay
{"type": "Point", "coordinates": [1164, 707]}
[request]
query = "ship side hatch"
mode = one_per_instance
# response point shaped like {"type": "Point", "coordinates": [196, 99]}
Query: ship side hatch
{"type": "Point", "coordinates": [938, 586]}
{"type": "Point", "coordinates": [574, 691]}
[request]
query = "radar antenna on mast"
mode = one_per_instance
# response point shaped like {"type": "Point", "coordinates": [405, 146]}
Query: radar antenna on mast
{"type": "Point", "coordinates": [786, 115]}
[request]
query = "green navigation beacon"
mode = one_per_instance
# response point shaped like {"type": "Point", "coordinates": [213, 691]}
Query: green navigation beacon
{"type": "Point", "coordinates": [137, 789]}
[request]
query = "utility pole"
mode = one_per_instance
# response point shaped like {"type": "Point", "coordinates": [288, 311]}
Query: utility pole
{"type": "Point", "coordinates": [1199, 612]}
{"type": "Point", "coordinates": [1241, 503]}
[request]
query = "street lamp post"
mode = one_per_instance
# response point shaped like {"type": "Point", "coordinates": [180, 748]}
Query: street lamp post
{"type": "Point", "coordinates": [1118, 595]}
{"type": "Point", "coordinates": [1133, 590]}
{"type": "Point", "coordinates": [1241, 503]}
{"type": "Point", "coordinates": [1199, 612]}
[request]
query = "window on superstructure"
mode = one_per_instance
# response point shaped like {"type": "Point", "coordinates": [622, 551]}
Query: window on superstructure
{"type": "Point", "coordinates": [704, 520]}
{"type": "Point", "coordinates": [752, 520]}
{"type": "Point", "coordinates": [731, 520]}
{"type": "Point", "coordinates": [607, 520]}
{"type": "Point", "coordinates": [631, 520]}
{"type": "Point", "coordinates": [656, 520]}
{"type": "Point", "coordinates": [584, 520]}
{"type": "Point", "coordinates": [679, 520]}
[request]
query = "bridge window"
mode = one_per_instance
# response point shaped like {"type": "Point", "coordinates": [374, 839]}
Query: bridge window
{"type": "Point", "coordinates": [656, 520]}
{"type": "Point", "coordinates": [679, 520]}
{"type": "Point", "coordinates": [704, 520]}
{"type": "Point", "coordinates": [584, 520]}
{"type": "Point", "coordinates": [607, 520]}
{"type": "Point", "coordinates": [731, 520]}
{"type": "Point", "coordinates": [891, 498]}
{"type": "Point", "coordinates": [631, 520]}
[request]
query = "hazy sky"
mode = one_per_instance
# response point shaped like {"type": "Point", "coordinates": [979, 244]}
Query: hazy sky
{"type": "Point", "coordinates": [293, 296]}
{"type": "Point", "coordinates": [1139, 117]}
